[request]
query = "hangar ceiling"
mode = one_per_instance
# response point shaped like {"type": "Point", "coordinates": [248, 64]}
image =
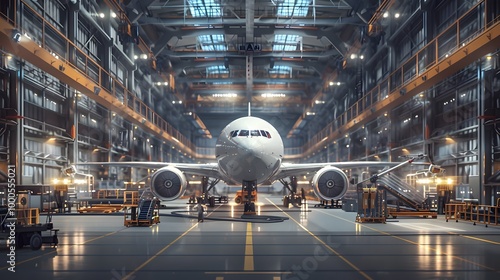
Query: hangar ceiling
{"type": "Point", "coordinates": [279, 55]}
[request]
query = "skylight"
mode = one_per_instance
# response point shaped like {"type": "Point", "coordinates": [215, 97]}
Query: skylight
{"type": "Point", "coordinates": [217, 70]}
{"type": "Point", "coordinates": [204, 8]}
{"type": "Point", "coordinates": [293, 8]}
{"type": "Point", "coordinates": [284, 42]}
{"type": "Point", "coordinates": [280, 70]}
{"type": "Point", "coordinates": [214, 42]}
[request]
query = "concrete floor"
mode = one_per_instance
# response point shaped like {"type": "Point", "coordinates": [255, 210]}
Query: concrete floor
{"type": "Point", "coordinates": [315, 244]}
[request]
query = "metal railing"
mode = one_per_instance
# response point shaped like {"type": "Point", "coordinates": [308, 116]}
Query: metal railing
{"type": "Point", "coordinates": [457, 35]}
{"type": "Point", "coordinates": [51, 39]}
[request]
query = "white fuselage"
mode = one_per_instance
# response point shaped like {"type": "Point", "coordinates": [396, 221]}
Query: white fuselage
{"type": "Point", "coordinates": [249, 149]}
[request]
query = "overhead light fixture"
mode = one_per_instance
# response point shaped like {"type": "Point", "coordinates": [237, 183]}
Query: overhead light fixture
{"type": "Point", "coordinates": [224, 95]}
{"type": "Point", "coordinates": [101, 15]}
{"type": "Point", "coordinates": [144, 56]}
{"type": "Point", "coordinates": [385, 15]}
{"type": "Point", "coordinates": [16, 35]}
{"type": "Point", "coordinates": [97, 90]}
{"type": "Point", "coordinates": [272, 95]}
{"type": "Point", "coordinates": [397, 15]}
{"type": "Point", "coordinates": [113, 14]}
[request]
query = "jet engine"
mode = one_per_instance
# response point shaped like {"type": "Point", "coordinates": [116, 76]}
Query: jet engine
{"type": "Point", "coordinates": [168, 183]}
{"type": "Point", "coordinates": [330, 183]}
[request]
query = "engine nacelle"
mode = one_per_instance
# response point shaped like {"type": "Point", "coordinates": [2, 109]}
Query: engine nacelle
{"type": "Point", "coordinates": [168, 183]}
{"type": "Point", "coordinates": [330, 183]}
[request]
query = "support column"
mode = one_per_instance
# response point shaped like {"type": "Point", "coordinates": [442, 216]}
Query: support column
{"type": "Point", "coordinates": [16, 135]}
{"type": "Point", "coordinates": [72, 100]}
{"type": "Point", "coordinates": [485, 134]}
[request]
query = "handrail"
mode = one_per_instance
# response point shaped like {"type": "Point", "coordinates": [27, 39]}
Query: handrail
{"type": "Point", "coordinates": [427, 57]}
{"type": "Point", "coordinates": [71, 55]}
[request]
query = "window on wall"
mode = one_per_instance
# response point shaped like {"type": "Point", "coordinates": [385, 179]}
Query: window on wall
{"type": "Point", "coordinates": [55, 13]}
{"type": "Point", "coordinates": [87, 41]}
{"type": "Point", "coordinates": [32, 95]}
{"type": "Point", "coordinates": [53, 105]}
{"type": "Point", "coordinates": [446, 14]}
{"type": "Point", "coordinates": [411, 41]}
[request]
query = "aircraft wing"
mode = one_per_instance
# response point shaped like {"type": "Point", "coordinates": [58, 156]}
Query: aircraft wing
{"type": "Point", "coordinates": [206, 169]}
{"type": "Point", "coordinates": [293, 169]}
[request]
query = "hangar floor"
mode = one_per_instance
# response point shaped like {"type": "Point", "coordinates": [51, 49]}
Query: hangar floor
{"type": "Point", "coordinates": [313, 243]}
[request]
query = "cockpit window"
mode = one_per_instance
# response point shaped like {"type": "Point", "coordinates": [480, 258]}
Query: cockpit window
{"type": "Point", "coordinates": [253, 133]}
{"type": "Point", "coordinates": [243, 133]}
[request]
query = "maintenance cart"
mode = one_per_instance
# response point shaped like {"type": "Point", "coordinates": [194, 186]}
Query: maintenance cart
{"type": "Point", "coordinates": [26, 226]}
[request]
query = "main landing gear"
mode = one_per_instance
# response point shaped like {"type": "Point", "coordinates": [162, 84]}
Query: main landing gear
{"type": "Point", "coordinates": [292, 197]}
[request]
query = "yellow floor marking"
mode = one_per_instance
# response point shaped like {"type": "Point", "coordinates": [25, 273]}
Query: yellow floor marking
{"type": "Point", "coordinates": [219, 278]}
{"type": "Point", "coordinates": [439, 252]}
{"type": "Point", "coordinates": [277, 278]}
{"type": "Point", "coordinates": [478, 239]}
{"type": "Point", "coordinates": [249, 249]}
{"type": "Point", "coordinates": [163, 249]}
{"type": "Point", "coordinates": [55, 251]}
{"type": "Point", "coordinates": [366, 276]}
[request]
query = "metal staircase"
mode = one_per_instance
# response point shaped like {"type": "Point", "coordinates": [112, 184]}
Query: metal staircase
{"type": "Point", "coordinates": [146, 208]}
{"type": "Point", "coordinates": [401, 190]}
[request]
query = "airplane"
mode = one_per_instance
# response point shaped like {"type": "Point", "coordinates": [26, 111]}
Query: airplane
{"type": "Point", "coordinates": [249, 151]}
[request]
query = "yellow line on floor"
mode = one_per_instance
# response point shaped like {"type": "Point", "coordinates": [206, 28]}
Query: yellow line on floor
{"type": "Point", "coordinates": [437, 251]}
{"type": "Point", "coordinates": [158, 253]}
{"type": "Point", "coordinates": [478, 239]}
{"type": "Point", "coordinates": [129, 276]}
{"type": "Point", "coordinates": [366, 276]}
{"type": "Point", "coordinates": [249, 266]}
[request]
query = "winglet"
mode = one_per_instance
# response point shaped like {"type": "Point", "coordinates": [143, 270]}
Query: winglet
{"type": "Point", "coordinates": [249, 109]}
